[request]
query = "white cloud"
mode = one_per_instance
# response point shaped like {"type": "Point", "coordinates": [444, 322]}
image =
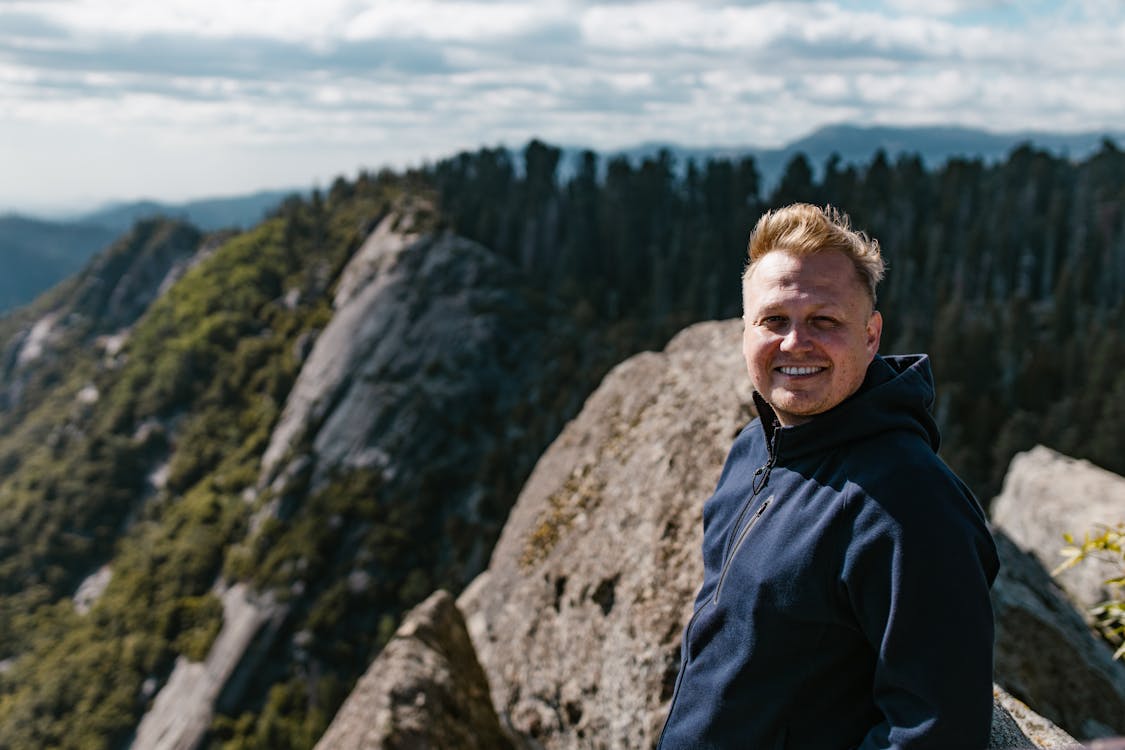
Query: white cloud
{"type": "Point", "coordinates": [364, 82]}
{"type": "Point", "coordinates": [946, 7]}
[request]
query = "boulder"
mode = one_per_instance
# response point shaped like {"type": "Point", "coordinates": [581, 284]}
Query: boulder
{"type": "Point", "coordinates": [425, 690]}
{"type": "Point", "coordinates": [1047, 494]}
{"type": "Point", "coordinates": [1045, 653]}
{"type": "Point", "coordinates": [1015, 726]}
{"type": "Point", "coordinates": [578, 619]}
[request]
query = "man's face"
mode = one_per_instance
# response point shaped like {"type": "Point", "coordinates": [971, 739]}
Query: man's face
{"type": "Point", "coordinates": [809, 334]}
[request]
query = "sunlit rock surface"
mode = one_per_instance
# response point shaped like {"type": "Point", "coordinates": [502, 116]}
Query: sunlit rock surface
{"type": "Point", "coordinates": [425, 690]}
{"type": "Point", "coordinates": [1047, 494]}
{"type": "Point", "coordinates": [184, 707]}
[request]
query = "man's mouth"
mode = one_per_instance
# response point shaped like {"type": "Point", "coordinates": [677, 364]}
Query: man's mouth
{"type": "Point", "coordinates": [799, 370]}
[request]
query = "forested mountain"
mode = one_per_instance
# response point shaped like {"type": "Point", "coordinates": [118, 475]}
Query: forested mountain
{"type": "Point", "coordinates": [338, 407]}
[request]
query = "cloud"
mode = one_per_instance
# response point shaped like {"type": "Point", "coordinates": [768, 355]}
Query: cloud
{"type": "Point", "coordinates": [409, 79]}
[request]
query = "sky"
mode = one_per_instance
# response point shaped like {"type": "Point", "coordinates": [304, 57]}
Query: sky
{"type": "Point", "coordinates": [175, 99]}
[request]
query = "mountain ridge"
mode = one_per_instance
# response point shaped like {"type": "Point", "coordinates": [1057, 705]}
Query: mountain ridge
{"type": "Point", "coordinates": [21, 234]}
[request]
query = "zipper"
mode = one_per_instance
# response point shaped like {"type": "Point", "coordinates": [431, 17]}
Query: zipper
{"type": "Point", "coordinates": [684, 661]}
{"type": "Point", "coordinates": [757, 484]}
{"type": "Point", "coordinates": [742, 513]}
{"type": "Point", "coordinates": [738, 543]}
{"type": "Point", "coordinates": [761, 478]}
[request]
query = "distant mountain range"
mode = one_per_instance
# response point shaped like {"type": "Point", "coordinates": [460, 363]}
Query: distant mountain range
{"type": "Point", "coordinates": [858, 145]}
{"type": "Point", "coordinates": [239, 212]}
{"type": "Point", "coordinates": [37, 253]}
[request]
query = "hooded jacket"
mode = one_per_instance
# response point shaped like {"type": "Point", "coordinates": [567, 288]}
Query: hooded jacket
{"type": "Point", "coordinates": [845, 600]}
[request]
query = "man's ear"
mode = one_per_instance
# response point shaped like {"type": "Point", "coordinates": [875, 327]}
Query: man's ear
{"type": "Point", "coordinates": [874, 332]}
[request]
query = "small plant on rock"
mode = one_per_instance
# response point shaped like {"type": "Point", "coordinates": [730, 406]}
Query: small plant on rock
{"type": "Point", "coordinates": [1108, 543]}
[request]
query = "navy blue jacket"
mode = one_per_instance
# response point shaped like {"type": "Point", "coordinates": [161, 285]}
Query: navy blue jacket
{"type": "Point", "coordinates": [845, 599]}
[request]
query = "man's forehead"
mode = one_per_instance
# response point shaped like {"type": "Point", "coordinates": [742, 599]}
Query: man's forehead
{"type": "Point", "coordinates": [784, 271]}
{"type": "Point", "coordinates": [828, 277]}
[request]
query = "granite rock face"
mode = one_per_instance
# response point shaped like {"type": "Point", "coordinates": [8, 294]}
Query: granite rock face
{"type": "Point", "coordinates": [1014, 725]}
{"type": "Point", "coordinates": [578, 619]}
{"type": "Point", "coordinates": [433, 338]}
{"type": "Point", "coordinates": [425, 690]}
{"type": "Point", "coordinates": [184, 707]}
{"type": "Point", "coordinates": [1046, 654]}
{"type": "Point", "coordinates": [1047, 494]}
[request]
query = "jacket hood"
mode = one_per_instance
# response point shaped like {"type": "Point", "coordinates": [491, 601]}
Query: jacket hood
{"type": "Point", "coordinates": [897, 393]}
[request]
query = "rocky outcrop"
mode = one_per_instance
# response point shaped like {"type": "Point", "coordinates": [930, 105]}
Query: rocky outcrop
{"type": "Point", "coordinates": [1047, 494]}
{"type": "Point", "coordinates": [1045, 653]}
{"type": "Point", "coordinates": [577, 621]}
{"type": "Point", "coordinates": [434, 340]}
{"type": "Point", "coordinates": [120, 283]}
{"type": "Point", "coordinates": [425, 690]}
{"type": "Point", "coordinates": [184, 707]}
{"type": "Point", "coordinates": [1015, 726]}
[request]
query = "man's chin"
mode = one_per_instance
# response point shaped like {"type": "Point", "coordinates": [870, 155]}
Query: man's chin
{"type": "Point", "coordinates": [793, 408]}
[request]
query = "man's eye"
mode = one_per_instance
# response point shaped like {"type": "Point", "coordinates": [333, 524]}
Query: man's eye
{"type": "Point", "coordinates": [825, 322]}
{"type": "Point", "coordinates": [773, 320]}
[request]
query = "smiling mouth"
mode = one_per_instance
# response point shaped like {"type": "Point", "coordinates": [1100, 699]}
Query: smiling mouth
{"type": "Point", "coordinates": [800, 370]}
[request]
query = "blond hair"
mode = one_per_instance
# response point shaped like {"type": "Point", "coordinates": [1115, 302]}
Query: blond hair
{"type": "Point", "coordinates": [804, 229]}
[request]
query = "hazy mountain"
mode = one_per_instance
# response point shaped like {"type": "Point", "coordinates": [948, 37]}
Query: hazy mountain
{"type": "Point", "coordinates": [234, 212]}
{"type": "Point", "coordinates": [35, 255]}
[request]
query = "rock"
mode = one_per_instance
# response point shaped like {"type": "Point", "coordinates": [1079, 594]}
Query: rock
{"type": "Point", "coordinates": [184, 707]}
{"type": "Point", "coordinates": [1015, 726]}
{"type": "Point", "coordinates": [1047, 494]}
{"type": "Point", "coordinates": [434, 339]}
{"type": "Point", "coordinates": [425, 690]}
{"type": "Point", "coordinates": [91, 589]}
{"type": "Point", "coordinates": [578, 620]}
{"type": "Point", "coordinates": [1045, 653]}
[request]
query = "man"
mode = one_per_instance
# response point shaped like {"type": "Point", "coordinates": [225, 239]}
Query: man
{"type": "Point", "coordinates": [845, 596]}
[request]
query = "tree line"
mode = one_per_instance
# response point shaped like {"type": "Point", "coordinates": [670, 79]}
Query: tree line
{"type": "Point", "coordinates": [1011, 275]}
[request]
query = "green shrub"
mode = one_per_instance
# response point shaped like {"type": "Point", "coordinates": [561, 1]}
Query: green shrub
{"type": "Point", "coordinates": [1108, 543]}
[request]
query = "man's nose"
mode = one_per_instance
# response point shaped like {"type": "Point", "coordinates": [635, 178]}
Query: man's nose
{"type": "Point", "coordinates": [796, 339]}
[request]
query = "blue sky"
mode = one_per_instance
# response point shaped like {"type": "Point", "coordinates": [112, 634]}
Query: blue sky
{"type": "Point", "coordinates": [174, 99]}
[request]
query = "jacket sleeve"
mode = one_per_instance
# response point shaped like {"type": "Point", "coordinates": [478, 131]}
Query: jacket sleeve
{"type": "Point", "coordinates": [916, 575]}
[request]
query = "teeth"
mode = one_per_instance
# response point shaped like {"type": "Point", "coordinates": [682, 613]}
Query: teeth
{"type": "Point", "coordinates": [799, 370]}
